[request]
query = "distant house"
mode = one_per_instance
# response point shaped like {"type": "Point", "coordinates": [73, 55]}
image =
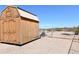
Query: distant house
{"type": "Point", "coordinates": [18, 26]}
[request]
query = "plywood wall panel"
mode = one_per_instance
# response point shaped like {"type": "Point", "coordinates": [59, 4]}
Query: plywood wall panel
{"type": "Point", "coordinates": [10, 26]}
{"type": "Point", "coordinates": [29, 30]}
{"type": "Point", "coordinates": [15, 29]}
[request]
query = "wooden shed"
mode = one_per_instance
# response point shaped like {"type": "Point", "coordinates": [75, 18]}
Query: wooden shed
{"type": "Point", "coordinates": [18, 26]}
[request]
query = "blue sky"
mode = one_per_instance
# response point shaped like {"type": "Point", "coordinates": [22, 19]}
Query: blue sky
{"type": "Point", "coordinates": [54, 15]}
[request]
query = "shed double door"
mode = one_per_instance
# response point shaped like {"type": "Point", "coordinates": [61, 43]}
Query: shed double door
{"type": "Point", "coordinates": [9, 31]}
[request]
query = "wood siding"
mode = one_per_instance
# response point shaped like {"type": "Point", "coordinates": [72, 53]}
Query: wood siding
{"type": "Point", "coordinates": [15, 29]}
{"type": "Point", "coordinates": [29, 30]}
{"type": "Point", "coordinates": [9, 25]}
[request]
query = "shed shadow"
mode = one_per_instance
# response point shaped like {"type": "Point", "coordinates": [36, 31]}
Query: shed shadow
{"type": "Point", "coordinates": [21, 44]}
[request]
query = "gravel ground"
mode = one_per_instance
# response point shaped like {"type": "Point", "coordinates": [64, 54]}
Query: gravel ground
{"type": "Point", "coordinates": [56, 44]}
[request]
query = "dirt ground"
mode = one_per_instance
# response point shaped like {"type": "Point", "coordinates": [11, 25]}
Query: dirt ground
{"type": "Point", "coordinates": [52, 43]}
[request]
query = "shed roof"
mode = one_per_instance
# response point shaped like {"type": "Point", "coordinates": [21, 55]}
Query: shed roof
{"type": "Point", "coordinates": [27, 14]}
{"type": "Point", "coordinates": [24, 13]}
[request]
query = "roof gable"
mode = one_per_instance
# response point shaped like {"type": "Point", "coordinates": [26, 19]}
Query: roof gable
{"type": "Point", "coordinates": [24, 13]}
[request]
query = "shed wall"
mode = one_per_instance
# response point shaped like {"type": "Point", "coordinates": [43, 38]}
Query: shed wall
{"type": "Point", "coordinates": [9, 24]}
{"type": "Point", "coordinates": [15, 29]}
{"type": "Point", "coordinates": [29, 30]}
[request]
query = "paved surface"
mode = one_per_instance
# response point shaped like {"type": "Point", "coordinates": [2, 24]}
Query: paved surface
{"type": "Point", "coordinates": [45, 45]}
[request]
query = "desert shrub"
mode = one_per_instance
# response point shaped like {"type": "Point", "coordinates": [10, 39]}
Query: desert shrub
{"type": "Point", "coordinates": [58, 29]}
{"type": "Point", "coordinates": [49, 30]}
{"type": "Point", "coordinates": [76, 30]}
